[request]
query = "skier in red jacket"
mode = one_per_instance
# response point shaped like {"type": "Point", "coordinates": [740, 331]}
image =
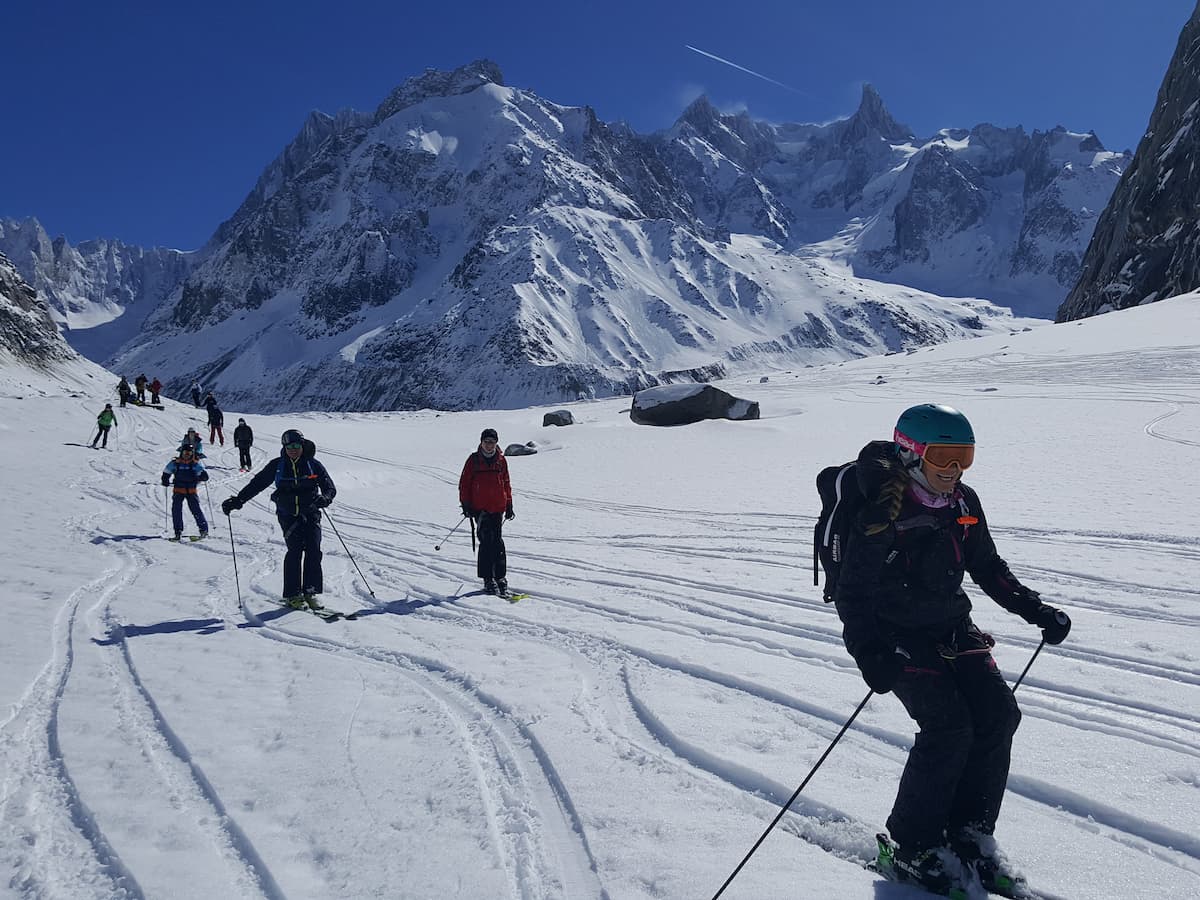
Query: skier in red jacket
{"type": "Point", "coordinates": [486, 497]}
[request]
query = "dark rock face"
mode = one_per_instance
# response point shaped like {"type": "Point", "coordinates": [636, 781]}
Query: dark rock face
{"type": "Point", "coordinates": [526, 449]}
{"type": "Point", "coordinates": [558, 417]}
{"type": "Point", "coordinates": [27, 332]}
{"type": "Point", "coordinates": [679, 404]}
{"type": "Point", "coordinates": [1146, 245]}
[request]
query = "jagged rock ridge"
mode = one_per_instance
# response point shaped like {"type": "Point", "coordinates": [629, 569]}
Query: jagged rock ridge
{"type": "Point", "coordinates": [1146, 246]}
{"type": "Point", "coordinates": [27, 330]}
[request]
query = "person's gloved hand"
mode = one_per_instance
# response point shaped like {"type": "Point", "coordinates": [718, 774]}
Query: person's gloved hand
{"type": "Point", "coordinates": [321, 501]}
{"type": "Point", "coordinates": [877, 516]}
{"type": "Point", "coordinates": [881, 667]}
{"type": "Point", "coordinates": [166, 480]}
{"type": "Point", "coordinates": [467, 511]}
{"type": "Point", "coordinates": [508, 512]}
{"type": "Point", "coordinates": [230, 504]}
{"type": "Point", "coordinates": [1055, 623]}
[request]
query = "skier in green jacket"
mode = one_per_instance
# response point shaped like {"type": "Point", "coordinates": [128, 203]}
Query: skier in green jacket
{"type": "Point", "coordinates": [106, 420]}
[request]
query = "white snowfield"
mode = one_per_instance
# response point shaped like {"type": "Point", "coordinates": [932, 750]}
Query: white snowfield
{"type": "Point", "coordinates": [630, 729]}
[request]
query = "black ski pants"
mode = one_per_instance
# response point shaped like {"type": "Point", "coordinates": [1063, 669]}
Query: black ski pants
{"type": "Point", "coordinates": [302, 562]}
{"type": "Point", "coordinates": [492, 561]}
{"type": "Point", "coordinates": [197, 511]}
{"type": "Point", "coordinates": [957, 769]}
{"type": "Point", "coordinates": [243, 456]}
{"type": "Point", "coordinates": [102, 436]}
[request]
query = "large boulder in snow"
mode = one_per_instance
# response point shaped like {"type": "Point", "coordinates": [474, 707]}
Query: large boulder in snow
{"type": "Point", "coordinates": [558, 417]}
{"type": "Point", "coordinates": [527, 449]}
{"type": "Point", "coordinates": [682, 404]}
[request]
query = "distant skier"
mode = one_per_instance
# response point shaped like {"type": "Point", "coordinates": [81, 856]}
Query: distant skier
{"type": "Point", "coordinates": [196, 392]}
{"type": "Point", "coordinates": [192, 439]}
{"type": "Point", "coordinates": [155, 389]}
{"type": "Point", "coordinates": [216, 419]}
{"type": "Point", "coordinates": [907, 624]}
{"type": "Point", "coordinates": [124, 390]}
{"type": "Point", "coordinates": [302, 489]}
{"type": "Point", "coordinates": [188, 472]}
{"type": "Point", "coordinates": [104, 421]}
{"type": "Point", "coordinates": [140, 383]}
{"type": "Point", "coordinates": [243, 439]}
{"type": "Point", "coordinates": [485, 494]}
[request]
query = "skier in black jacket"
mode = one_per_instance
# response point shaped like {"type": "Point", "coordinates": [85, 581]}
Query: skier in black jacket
{"type": "Point", "coordinates": [243, 439]}
{"type": "Point", "coordinates": [907, 624]}
{"type": "Point", "coordinates": [302, 489]}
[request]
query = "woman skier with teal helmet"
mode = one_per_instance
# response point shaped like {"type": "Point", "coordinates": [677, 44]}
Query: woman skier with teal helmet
{"type": "Point", "coordinates": [907, 623]}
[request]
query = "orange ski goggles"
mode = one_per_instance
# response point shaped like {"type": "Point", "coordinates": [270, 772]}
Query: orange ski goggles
{"type": "Point", "coordinates": [943, 456]}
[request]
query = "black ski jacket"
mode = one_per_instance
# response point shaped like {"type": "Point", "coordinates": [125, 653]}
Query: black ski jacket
{"type": "Point", "coordinates": [906, 581]}
{"type": "Point", "coordinates": [243, 436]}
{"type": "Point", "coordinates": [297, 484]}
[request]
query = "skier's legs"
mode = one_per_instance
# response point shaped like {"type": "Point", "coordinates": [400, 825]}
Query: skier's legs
{"type": "Point", "coordinates": [293, 536]}
{"type": "Point", "coordinates": [244, 457]}
{"type": "Point", "coordinates": [193, 502]}
{"type": "Point", "coordinates": [220, 435]}
{"type": "Point", "coordinates": [994, 718]}
{"type": "Point", "coordinates": [177, 512]}
{"type": "Point", "coordinates": [492, 562]}
{"type": "Point", "coordinates": [103, 435]}
{"type": "Point", "coordinates": [314, 579]}
{"type": "Point", "coordinates": [935, 765]}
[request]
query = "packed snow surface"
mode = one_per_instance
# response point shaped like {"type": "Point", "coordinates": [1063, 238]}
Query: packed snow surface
{"type": "Point", "coordinates": [631, 728]}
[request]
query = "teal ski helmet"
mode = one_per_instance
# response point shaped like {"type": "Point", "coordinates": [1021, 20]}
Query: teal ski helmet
{"type": "Point", "coordinates": [932, 423]}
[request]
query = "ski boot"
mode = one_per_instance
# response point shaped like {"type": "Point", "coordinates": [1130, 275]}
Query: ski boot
{"type": "Point", "coordinates": [489, 586]}
{"type": "Point", "coordinates": [502, 586]}
{"type": "Point", "coordinates": [311, 601]}
{"type": "Point", "coordinates": [178, 537]}
{"type": "Point", "coordinates": [926, 867]}
{"type": "Point", "coordinates": [979, 851]}
{"type": "Point", "coordinates": [296, 602]}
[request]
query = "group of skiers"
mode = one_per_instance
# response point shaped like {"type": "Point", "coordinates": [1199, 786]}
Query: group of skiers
{"type": "Point", "coordinates": [918, 530]}
{"type": "Point", "coordinates": [140, 384]}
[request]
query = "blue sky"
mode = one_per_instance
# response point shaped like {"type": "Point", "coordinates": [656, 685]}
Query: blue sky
{"type": "Point", "coordinates": [150, 121]}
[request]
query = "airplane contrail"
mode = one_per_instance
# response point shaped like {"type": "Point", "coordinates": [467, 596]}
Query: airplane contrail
{"type": "Point", "coordinates": [743, 69]}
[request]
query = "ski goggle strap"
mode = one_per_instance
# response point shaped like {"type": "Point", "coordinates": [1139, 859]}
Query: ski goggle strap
{"type": "Point", "coordinates": [940, 456]}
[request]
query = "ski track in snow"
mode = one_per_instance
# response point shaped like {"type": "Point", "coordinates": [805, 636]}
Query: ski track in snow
{"type": "Point", "coordinates": [608, 614]}
{"type": "Point", "coordinates": [1173, 846]}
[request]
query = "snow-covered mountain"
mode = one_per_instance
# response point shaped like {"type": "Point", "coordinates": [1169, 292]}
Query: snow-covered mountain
{"type": "Point", "coordinates": [98, 291]}
{"type": "Point", "coordinates": [1146, 246]}
{"type": "Point", "coordinates": [27, 330]}
{"type": "Point", "coordinates": [469, 244]}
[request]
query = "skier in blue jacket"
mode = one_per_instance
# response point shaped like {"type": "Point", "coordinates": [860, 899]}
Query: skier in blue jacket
{"type": "Point", "coordinates": [188, 472]}
{"type": "Point", "coordinates": [302, 489]}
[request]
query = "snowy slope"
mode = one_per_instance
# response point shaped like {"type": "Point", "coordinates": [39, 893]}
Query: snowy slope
{"type": "Point", "coordinates": [630, 729]}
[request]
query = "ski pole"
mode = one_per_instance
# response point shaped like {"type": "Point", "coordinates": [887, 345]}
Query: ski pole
{"type": "Point", "coordinates": [166, 493]}
{"type": "Point", "coordinates": [1028, 664]}
{"type": "Point", "coordinates": [211, 517]}
{"type": "Point", "coordinates": [349, 554]}
{"type": "Point", "coordinates": [236, 584]}
{"type": "Point", "coordinates": [472, 534]}
{"type": "Point", "coordinates": [792, 799]}
{"type": "Point", "coordinates": [438, 545]}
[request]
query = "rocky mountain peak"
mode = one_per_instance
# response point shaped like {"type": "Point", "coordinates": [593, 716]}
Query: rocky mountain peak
{"type": "Point", "coordinates": [872, 120]}
{"type": "Point", "coordinates": [1146, 244]}
{"type": "Point", "coordinates": [26, 330]}
{"type": "Point", "coordinates": [436, 83]}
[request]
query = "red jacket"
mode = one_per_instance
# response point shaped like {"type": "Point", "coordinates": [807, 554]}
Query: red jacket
{"type": "Point", "coordinates": [484, 484]}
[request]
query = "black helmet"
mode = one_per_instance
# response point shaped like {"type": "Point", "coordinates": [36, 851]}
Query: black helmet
{"type": "Point", "coordinates": [292, 436]}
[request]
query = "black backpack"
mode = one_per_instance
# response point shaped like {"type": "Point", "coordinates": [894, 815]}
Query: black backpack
{"type": "Point", "coordinates": [841, 498]}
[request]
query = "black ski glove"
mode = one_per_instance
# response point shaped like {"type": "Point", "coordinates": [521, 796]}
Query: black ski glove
{"type": "Point", "coordinates": [1055, 623]}
{"type": "Point", "coordinates": [229, 505]}
{"type": "Point", "coordinates": [166, 480]}
{"type": "Point", "coordinates": [881, 667]}
{"type": "Point", "coordinates": [883, 512]}
{"type": "Point", "coordinates": [508, 512]}
{"type": "Point", "coordinates": [321, 501]}
{"type": "Point", "coordinates": [467, 511]}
